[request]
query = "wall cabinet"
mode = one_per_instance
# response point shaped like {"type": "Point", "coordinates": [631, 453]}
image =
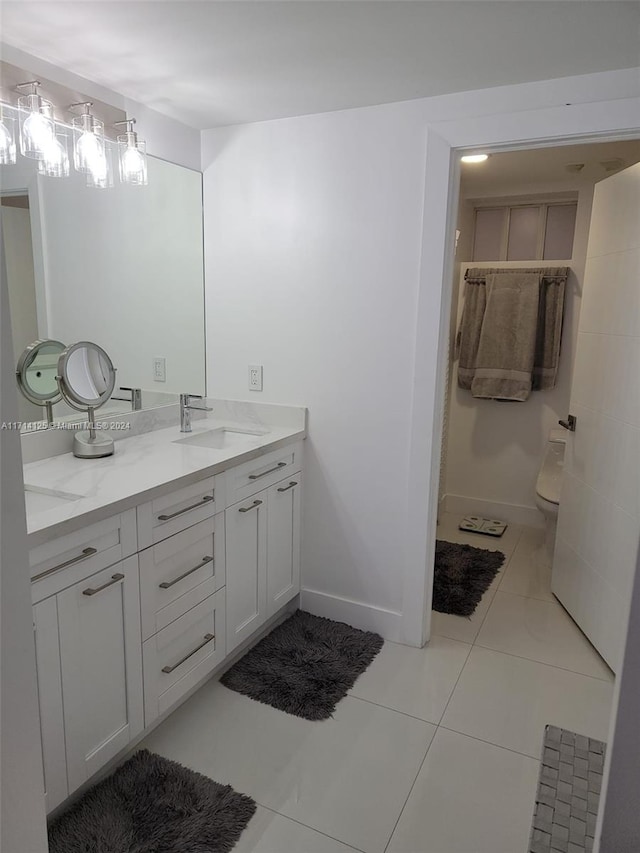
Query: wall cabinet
{"type": "Point", "coordinates": [132, 613]}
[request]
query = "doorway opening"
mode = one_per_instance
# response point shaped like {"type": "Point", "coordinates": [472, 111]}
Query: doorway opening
{"type": "Point", "coordinates": [517, 211]}
{"type": "Point", "coordinates": [548, 631]}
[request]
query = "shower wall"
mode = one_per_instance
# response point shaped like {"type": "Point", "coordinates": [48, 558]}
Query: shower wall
{"type": "Point", "coordinates": [492, 450]}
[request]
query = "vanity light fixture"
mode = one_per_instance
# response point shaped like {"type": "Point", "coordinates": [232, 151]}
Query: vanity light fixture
{"type": "Point", "coordinates": [132, 154]}
{"type": "Point", "coordinates": [7, 140]}
{"type": "Point", "coordinates": [474, 158]}
{"type": "Point", "coordinates": [55, 162]}
{"type": "Point", "coordinates": [36, 122]}
{"type": "Point", "coordinates": [89, 153]}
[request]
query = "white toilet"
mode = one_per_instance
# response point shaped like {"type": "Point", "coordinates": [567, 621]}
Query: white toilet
{"type": "Point", "coordinates": [548, 486]}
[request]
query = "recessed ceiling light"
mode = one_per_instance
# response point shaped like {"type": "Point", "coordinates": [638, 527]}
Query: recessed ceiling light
{"type": "Point", "coordinates": [474, 158]}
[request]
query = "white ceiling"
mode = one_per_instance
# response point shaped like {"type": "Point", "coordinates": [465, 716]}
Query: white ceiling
{"type": "Point", "coordinates": [547, 166]}
{"type": "Point", "coordinates": [215, 63]}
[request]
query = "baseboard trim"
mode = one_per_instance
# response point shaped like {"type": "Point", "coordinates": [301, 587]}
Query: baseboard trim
{"type": "Point", "coordinates": [512, 513]}
{"type": "Point", "coordinates": [367, 617]}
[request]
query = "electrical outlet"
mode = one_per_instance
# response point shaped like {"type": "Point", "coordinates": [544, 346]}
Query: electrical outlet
{"type": "Point", "coordinates": [159, 369]}
{"type": "Point", "coordinates": [255, 377]}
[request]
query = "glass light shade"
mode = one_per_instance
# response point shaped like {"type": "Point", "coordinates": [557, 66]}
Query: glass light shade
{"type": "Point", "coordinates": [88, 144]}
{"type": "Point", "coordinates": [36, 125]}
{"type": "Point", "coordinates": [132, 154]}
{"type": "Point", "coordinates": [55, 162]}
{"type": "Point", "coordinates": [7, 140]}
{"type": "Point", "coordinates": [100, 175]}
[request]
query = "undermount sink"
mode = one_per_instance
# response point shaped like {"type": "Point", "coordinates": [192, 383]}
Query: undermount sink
{"type": "Point", "coordinates": [38, 499]}
{"type": "Point", "coordinates": [221, 438]}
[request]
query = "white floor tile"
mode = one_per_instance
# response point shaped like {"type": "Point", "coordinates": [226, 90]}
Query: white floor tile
{"type": "Point", "coordinates": [528, 572]}
{"type": "Point", "coordinates": [508, 701]}
{"type": "Point", "coordinates": [539, 630]}
{"type": "Point", "coordinates": [415, 681]}
{"type": "Point", "coordinates": [462, 628]}
{"type": "Point", "coordinates": [347, 777]}
{"type": "Point", "coordinates": [470, 797]}
{"type": "Point", "coordinates": [269, 832]}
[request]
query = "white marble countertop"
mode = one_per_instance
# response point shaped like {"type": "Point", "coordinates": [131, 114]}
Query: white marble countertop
{"type": "Point", "coordinates": [147, 465]}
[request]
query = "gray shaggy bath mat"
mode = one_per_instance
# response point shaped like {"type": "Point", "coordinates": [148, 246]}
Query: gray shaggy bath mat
{"type": "Point", "coordinates": [462, 576]}
{"type": "Point", "coordinates": [153, 805]}
{"type": "Point", "coordinates": [304, 666]}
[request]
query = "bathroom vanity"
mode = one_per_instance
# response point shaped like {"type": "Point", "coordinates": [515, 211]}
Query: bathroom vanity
{"type": "Point", "coordinates": [150, 569]}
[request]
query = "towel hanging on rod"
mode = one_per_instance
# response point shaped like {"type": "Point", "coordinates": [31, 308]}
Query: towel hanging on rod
{"type": "Point", "coordinates": [510, 331]}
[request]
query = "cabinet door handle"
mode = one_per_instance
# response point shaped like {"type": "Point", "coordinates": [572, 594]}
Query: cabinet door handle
{"type": "Point", "coordinates": [247, 508]}
{"type": "Point", "coordinates": [270, 471]}
{"type": "Point", "coordinates": [86, 553]}
{"type": "Point", "coordinates": [114, 579]}
{"type": "Point", "coordinates": [186, 509]}
{"type": "Point", "coordinates": [169, 584]}
{"type": "Point", "coordinates": [290, 486]}
{"type": "Point", "coordinates": [207, 639]}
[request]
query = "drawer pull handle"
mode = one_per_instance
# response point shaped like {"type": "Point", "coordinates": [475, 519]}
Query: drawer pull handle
{"type": "Point", "coordinates": [114, 579]}
{"type": "Point", "coordinates": [169, 584]}
{"type": "Point", "coordinates": [204, 500]}
{"type": "Point", "coordinates": [290, 486]}
{"type": "Point", "coordinates": [247, 508]}
{"type": "Point", "coordinates": [270, 471]}
{"type": "Point", "coordinates": [207, 639]}
{"type": "Point", "coordinates": [86, 553]}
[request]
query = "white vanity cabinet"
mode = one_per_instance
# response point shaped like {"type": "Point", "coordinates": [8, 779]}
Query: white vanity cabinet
{"type": "Point", "coordinates": [89, 668]}
{"type": "Point", "coordinates": [246, 535]}
{"type": "Point", "coordinates": [283, 542]}
{"type": "Point", "coordinates": [263, 556]}
{"type": "Point", "coordinates": [54, 759]}
{"type": "Point", "coordinates": [101, 664]}
{"type": "Point", "coordinates": [133, 612]}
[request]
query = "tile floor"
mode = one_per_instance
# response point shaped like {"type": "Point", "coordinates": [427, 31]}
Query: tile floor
{"type": "Point", "coordinates": [435, 750]}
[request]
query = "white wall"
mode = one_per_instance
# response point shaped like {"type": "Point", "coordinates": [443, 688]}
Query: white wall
{"type": "Point", "coordinates": [494, 449]}
{"type": "Point", "coordinates": [619, 816]}
{"type": "Point", "coordinates": [22, 814]}
{"type": "Point", "coordinates": [314, 268]}
{"type": "Point", "coordinates": [312, 246]}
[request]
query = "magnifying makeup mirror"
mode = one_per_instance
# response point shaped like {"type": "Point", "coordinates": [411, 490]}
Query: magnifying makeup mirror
{"type": "Point", "coordinates": [37, 374]}
{"type": "Point", "coordinates": [86, 378]}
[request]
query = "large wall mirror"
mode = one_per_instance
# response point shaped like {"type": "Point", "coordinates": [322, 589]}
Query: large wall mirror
{"type": "Point", "coordinates": [122, 267]}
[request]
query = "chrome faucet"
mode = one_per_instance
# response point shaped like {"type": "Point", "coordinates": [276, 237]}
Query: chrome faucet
{"type": "Point", "coordinates": [135, 399]}
{"type": "Point", "coordinates": [186, 408]}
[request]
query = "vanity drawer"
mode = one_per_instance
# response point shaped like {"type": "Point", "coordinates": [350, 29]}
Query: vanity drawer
{"type": "Point", "coordinates": [180, 572]}
{"type": "Point", "coordinates": [62, 562]}
{"type": "Point", "coordinates": [251, 477]}
{"type": "Point", "coordinates": [169, 514]}
{"type": "Point", "coordinates": [182, 654]}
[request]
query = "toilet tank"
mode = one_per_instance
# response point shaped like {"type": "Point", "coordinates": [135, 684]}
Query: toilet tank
{"type": "Point", "coordinates": [549, 481]}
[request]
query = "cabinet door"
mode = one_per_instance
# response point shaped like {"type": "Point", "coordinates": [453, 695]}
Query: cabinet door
{"type": "Point", "coordinates": [246, 545]}
{"type": "Point", "coordinates": [283, 543]}
{"type": "Point", "coordinates": [54, 760]}
{"type": "Point", "coordinates": [101, 656]}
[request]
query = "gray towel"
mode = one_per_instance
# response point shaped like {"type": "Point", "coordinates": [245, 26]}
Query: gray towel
{"type": "Point", "coordinates": [547, 358]}
{"type": "Point", "coordinates": [503, 367]}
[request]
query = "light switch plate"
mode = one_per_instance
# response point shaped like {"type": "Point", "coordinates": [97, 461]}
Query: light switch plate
{"type": "Point", "coordinates": [255, 377]}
